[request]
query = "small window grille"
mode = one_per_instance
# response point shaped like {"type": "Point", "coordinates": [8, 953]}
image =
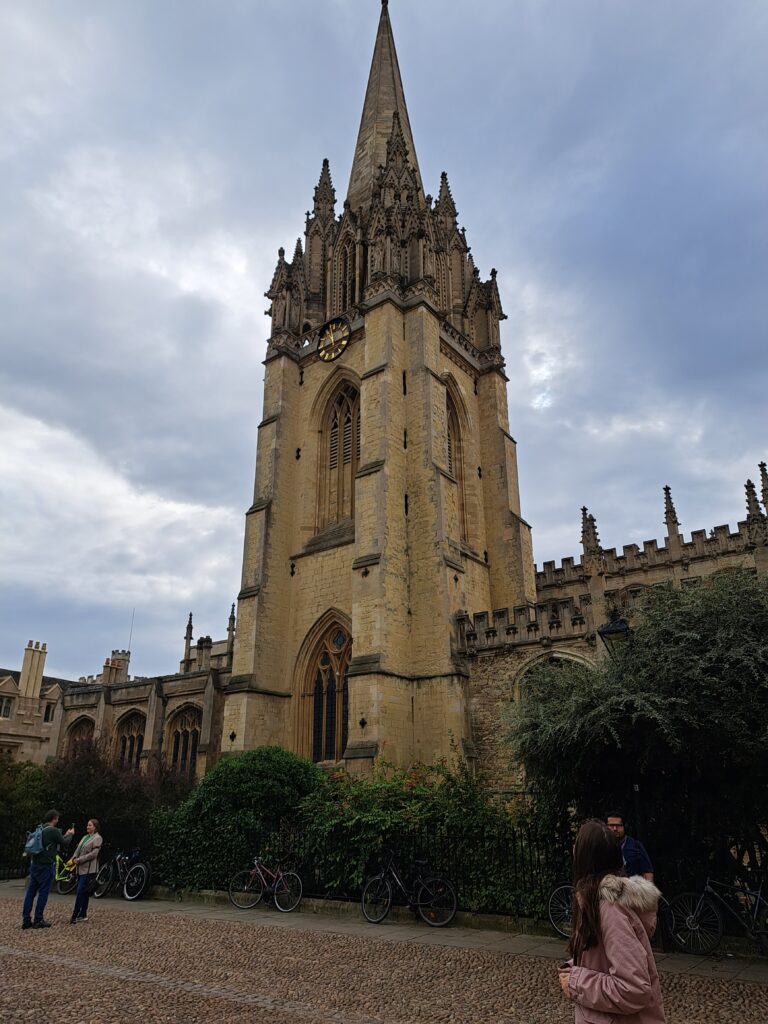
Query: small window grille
{"type": "Point", "coordinates": [347, 440]}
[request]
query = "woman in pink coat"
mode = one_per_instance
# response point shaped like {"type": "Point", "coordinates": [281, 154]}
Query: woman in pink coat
{"type": "Point", "coordinates": [611, 976]}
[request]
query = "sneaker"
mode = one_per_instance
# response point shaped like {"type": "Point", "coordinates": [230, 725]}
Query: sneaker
{"type": "Point", "coordinates": [83, 919]}
{"type": "Point", "coordinates": [26, 924]}
{"type": "Point", "coordinates": [42, 924]}
{"type": "Point", "coordinates": [74, 920]}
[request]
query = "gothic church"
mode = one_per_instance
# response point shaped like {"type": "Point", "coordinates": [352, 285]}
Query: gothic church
{"type": "Point", "coordinates": [389, 603]}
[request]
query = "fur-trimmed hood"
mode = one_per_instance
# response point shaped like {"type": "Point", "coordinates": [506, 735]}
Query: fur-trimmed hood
{"type": "Point", "coordinates": [635, 893]}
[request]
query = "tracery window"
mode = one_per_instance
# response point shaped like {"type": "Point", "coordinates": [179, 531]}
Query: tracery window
{"type": "Point", "coordinates": [80, 736]}
{"type": "Point", "coordinates": [183, 739]}
{"type": "Point", "coordinates": [129, 740]}
{"type": "Point", "coordinates": [455, 462]}
{"type": "Point", "coordinates": [340, 457]}
{"type": "Point", "coordinates": [328, 693]}
{"type": "Point", "coordinates": [6, 707]}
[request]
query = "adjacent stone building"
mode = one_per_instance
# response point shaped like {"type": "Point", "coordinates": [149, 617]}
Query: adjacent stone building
{"type": "Point", "coordinates": [389, 604]}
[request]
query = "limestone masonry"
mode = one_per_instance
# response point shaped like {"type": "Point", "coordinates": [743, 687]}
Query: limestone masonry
{"type": "Point", "coordinates": [389, 604]}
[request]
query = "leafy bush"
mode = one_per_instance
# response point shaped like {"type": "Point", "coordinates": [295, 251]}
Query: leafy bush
{"type": "Point", "coordinates": [439, 813]}
{"type": "Point", "coordinates": [231, 814]}
{"type": "Point", "coordinates": [86, 786]}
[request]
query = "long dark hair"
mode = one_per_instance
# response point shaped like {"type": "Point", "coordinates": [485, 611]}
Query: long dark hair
{"type": "Point", "coordinates": [596, 853]}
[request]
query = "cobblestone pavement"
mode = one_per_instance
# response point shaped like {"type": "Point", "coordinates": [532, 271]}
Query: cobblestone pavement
{"type": "Point", "coordinates": [122, 967]}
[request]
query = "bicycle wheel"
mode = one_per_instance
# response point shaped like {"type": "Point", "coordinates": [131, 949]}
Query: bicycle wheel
{"type": "Point", "coordinates": [436, 901]}
{"type": "Point", "coordinates": [376, 899]}
{"type": "Point", "coordinates": [696, 924]}
{"type": "Point", "coordinates": [245, 890]}
{"type": "Point", "coordinates": [560, 910]}
{"type": "Point", "coordinates": [104, 881]}
{"type": "Point", "coordinates": [136, 881]}
{"type": "Point", "coordinates": [288, 891]}
{"type": "Point", "coordinates": [66, 883]}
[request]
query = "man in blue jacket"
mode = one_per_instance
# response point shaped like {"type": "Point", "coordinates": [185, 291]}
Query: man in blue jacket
{"type": "Point", "coordinates": [41, 871]}
{"type": "Point", "coordinates": [636, 859]}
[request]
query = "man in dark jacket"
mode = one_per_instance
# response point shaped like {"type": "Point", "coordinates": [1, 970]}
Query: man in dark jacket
{"type": "Point", "coordinates": [41, 871]}
{"type": "Point", "coordinates": [636, 859]}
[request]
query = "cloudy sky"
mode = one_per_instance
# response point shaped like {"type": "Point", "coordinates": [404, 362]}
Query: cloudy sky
{"type": "Point", "coordinates": [609, 158]}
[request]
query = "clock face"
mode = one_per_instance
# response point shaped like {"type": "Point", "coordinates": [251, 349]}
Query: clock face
{"type": "Point", "coordinates": [333, 340]}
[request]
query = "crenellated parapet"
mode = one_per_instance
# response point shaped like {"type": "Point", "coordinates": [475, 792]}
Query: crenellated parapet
{"type": "Point", "coordinates": [619, 576]}
{"type": "Point", "coordinates": [542, 624]}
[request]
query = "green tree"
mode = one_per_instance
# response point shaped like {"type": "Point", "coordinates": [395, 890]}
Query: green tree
{"type": "Point", "coordinates": [673, 731]}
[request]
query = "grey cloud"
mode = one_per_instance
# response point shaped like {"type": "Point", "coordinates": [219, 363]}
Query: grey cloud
{"type": "Point", "coordinates": [609, 160]}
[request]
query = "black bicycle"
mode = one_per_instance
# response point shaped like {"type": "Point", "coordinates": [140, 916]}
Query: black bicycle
{"type": "Point", "coordinates": [431, 895]}
{"type": "Point", "coordinates": [126, 870]}
{"type": "Point", "coordinates": [697, 923]}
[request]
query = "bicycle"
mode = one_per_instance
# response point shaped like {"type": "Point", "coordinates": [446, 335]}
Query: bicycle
{"type": "Point", "coordinates": [697, 921]}
{"type": "Point", "coordinates": [65, 876]}
{"type": "Point", "coordinates": [432, 895]}
{"type": "Point", "coordinates": [560, 913]}
{"type": "Point", "coordinates": [126, 870]}
{"type": "Point", "coordinates": [247, 888]}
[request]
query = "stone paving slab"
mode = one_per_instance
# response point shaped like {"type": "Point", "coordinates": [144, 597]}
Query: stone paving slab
{"type": "Point", "coordinates": [151, 963]}
{"type": "Point", "coordinates": [753, 970]}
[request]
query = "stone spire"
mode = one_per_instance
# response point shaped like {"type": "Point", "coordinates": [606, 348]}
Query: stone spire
{"type": "Point", "coordinates": [188, 645]}
{"type": "Point", "coordinates": [384, 98]}
{"type": "Point", "coordinates": [764, 484]}
{"type": "Point", "coordinates": [231, 635]}
{"type": "Point", "coordinates": [670, 513]}
{"type": "Point", "coordinates": [757, 521]}
{"type": "Point", "coordinates": [590, 540]}
{"type": "Point", "coordinates": [325, 195]}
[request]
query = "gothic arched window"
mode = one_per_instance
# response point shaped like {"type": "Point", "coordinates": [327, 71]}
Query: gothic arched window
{"type": "Point", "coordinates": [339, 457]}
{"type": "Point", "coordinates": [183, 739]}
{"type": "Point", "coordinates": [129, 740]}
{"type": "Point", "coordinates": [327, 693]}
{"type": "Point", "coordinates": [455, 462]}
{"type": "Point", "coordinates": [347, 275]}
{"type": "Point", "coordinates": [80, 736]}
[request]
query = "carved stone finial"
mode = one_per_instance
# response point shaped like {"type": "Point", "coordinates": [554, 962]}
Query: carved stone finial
{"type": "Point", "coordinates": [764, 484]}
{"type": "Point", "coordinates": [670, 513]}
{"type": "Point", "coordinates": [590, 540]}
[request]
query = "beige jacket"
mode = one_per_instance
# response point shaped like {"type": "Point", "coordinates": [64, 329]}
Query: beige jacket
{"type": "Point", "coordinates": [87, 853]}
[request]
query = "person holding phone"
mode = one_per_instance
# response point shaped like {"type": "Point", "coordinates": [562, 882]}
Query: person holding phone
{"type": "Point", "coordinates": [41, 871]}
{"type": "Point", "coordinates": [612, 974]}
{"type": "Point", "coordinates": [86, 860]}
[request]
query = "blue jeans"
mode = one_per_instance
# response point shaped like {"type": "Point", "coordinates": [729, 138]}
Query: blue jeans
{"type": "Point", "coordinates": [80, 908]}
{"type": "Point", "coordinates": [40, 878]}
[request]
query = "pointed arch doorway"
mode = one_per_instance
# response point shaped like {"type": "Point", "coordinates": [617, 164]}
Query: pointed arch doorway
{"type": "Point", "coordinates": [323, 687]}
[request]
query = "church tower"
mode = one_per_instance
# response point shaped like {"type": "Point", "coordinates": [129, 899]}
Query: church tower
{"type": "Point", "coordinates": [386, 497]}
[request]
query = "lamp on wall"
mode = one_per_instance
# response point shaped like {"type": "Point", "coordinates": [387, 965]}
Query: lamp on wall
{"type": "Point", "coordinates": [232, 736]}
{"type": "Point", "coordinates": [615, 633]}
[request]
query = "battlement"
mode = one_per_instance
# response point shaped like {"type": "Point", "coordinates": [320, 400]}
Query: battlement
{"type": "Point", "coordinates": [541, 623]}
{"type": "Point", "coordinates": [720, 541]}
